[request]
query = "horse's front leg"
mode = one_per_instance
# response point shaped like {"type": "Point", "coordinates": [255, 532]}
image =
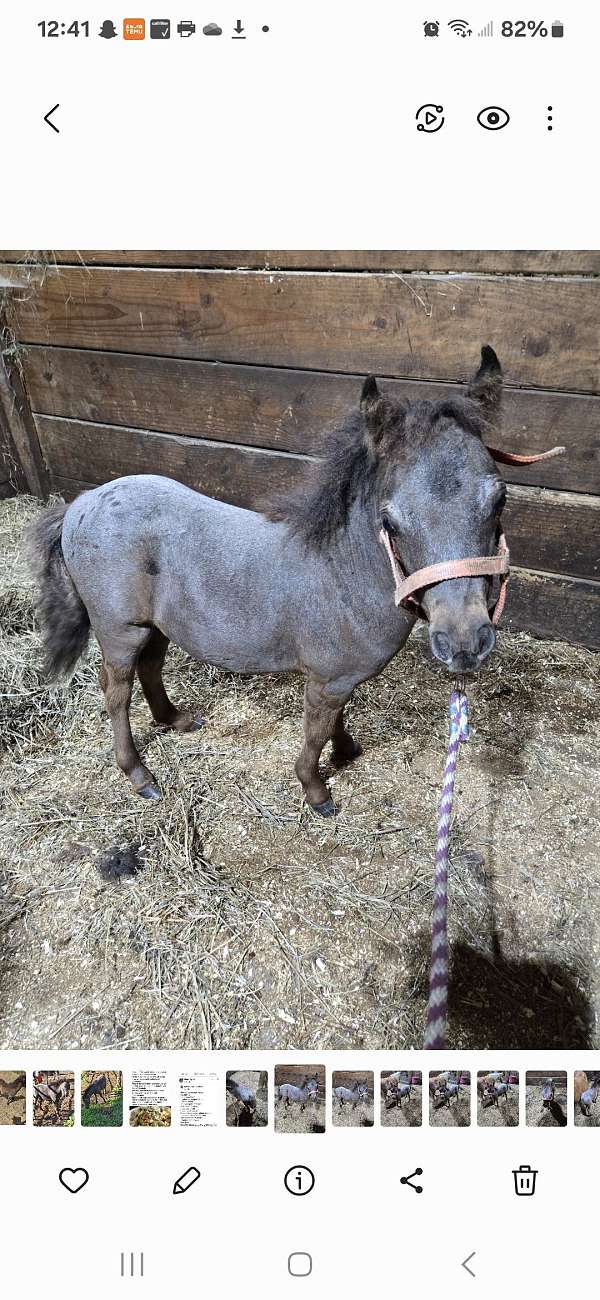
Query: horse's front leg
{"type": "Point", "coordinates": [321, 714]}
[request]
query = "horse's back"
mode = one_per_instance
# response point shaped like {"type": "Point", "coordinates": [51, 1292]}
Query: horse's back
{"type": "Point", "coordinates": [149, 551]}
{"type": "Point", "coordinates": [149, 500]}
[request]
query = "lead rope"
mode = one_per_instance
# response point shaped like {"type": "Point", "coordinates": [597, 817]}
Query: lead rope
{"type": "Point", "coordinates": [437, 1007]}
{"type": "Point", "coordinates": [471, 566]}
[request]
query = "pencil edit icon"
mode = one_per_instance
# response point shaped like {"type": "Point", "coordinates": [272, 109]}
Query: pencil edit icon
{"type": "Point", "coordinates": [186, 1180]}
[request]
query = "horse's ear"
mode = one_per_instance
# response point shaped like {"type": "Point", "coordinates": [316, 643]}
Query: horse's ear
{"type": "Point", "coordinates": [376, 410]}
{"type": "Point", "coordinates": [370, 397]}
{"type": "Point", "coordinates": [486, 385]}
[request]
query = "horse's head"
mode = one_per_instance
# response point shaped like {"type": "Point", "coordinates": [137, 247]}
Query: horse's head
{"type": "Point", "coordinates": [440, 498]}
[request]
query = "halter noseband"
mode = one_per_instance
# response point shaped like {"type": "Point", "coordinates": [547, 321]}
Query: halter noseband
{"type": "Point", "coordinates": [471, 567]}
{"type": "Point", "coordinates": [477, 566]}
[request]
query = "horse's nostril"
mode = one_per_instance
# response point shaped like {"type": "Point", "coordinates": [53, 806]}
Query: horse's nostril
{"type": "Point", "coordinates": [486, 640]}
{"type": "Point", "coordinates": [463, 662]}
{"type": "Point", "coordinates": [463, 653]}
{"type": "Point", "coordinates": [440, 645]}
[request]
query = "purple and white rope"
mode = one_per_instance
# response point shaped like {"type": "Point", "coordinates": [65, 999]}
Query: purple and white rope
{"type": "Point", "coordinates": [437, 1007]}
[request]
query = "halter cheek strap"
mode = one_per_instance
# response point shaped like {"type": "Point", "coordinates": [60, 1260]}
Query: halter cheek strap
{"type": "Point", "coordinates": [477, 566]}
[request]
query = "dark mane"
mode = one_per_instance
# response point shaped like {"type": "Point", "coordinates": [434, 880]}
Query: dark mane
{"type": "Point", "coordinates": [320, 504]}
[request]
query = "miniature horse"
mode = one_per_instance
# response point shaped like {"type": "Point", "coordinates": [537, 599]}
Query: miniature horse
{"type": "Point", "coordinates": [304, 586]}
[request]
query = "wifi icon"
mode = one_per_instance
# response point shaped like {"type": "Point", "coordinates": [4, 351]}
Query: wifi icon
{"type": "Point", "coordinates": [460, 27]}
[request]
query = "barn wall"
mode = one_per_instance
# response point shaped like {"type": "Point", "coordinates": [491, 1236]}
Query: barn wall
{"type": "Point", "coordinates": [535, 1078]}
{"type": "Point", "coordinates": [12, 477]}
{"type": "Point", "coordinates": [7, 487]}
{"type": "Point", "coordinates": [224, 369]}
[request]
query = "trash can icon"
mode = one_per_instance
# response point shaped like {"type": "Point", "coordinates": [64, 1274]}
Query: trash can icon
{"type": "Point", "coordinates": [524, 1178]}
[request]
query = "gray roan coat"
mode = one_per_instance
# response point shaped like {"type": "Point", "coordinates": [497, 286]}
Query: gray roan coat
{"type": "Point", "coordinates": [304, 587]}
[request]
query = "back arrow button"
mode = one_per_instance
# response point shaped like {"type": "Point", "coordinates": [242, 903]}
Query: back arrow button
{"type": "Point", "coordinates": [48, 115]}
{"type": "Point", "coordinates": [466, 1262]}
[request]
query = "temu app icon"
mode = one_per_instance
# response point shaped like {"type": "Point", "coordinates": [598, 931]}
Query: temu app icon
{"type": "Point", "coordinates": [134, 29]}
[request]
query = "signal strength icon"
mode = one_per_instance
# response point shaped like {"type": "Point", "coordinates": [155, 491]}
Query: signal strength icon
{"type": "Point", "coordinates": [488, 30]}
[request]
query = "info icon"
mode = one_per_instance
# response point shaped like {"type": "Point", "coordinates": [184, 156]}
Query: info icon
{"type": "Point", "coordinates": [299, 1180]}
{"type": "Point", "coordinates": [134, 29]}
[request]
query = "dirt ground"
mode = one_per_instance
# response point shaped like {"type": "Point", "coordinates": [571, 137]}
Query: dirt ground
{"type": "Point", "coordinates": [552, 1116]}
{"type": "Point", "coordinates": [409, 1114]}
{"type": "Point", "coordinates": [12, 1109]}
{"type": "Point", "coordinates": [453, 1114]}
{"type": "Point", "coordinates": [235, 1115]}
{"type": "Point", "coordinates": [349, 1116]}
{"type": "Point", "coordinates": [292, 1119]}
{"type": "Point", "coordinates": [587, 1121]}
{"type": "Point", "coordinates": [246, 921]}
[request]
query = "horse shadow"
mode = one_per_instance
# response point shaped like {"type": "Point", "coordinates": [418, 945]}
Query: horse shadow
{"type": "Point", "coordinates": [558, 1114]}
{"type": "Point", "coordinates": [520, 1004]}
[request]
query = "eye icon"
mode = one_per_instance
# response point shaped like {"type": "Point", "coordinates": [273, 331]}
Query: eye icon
{"type": "Point", "coordinates": [493, 118]}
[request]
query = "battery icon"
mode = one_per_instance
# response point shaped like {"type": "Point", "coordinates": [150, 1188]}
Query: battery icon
{"type": "Point", "coordinates": [558, 28]}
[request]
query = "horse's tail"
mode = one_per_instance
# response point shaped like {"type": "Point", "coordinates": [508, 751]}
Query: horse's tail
{"type": "Point", "coordinates": [63, 616]}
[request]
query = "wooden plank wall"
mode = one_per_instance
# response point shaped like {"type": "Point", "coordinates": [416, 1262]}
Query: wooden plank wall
{"type": "Point", "coordinates": [7, 488]}
{"type": "Point", "coordinates": [12, 477]}
{"type": "Point", "coordinates": [224, 369]}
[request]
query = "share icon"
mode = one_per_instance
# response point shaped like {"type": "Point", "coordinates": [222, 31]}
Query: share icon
{"type": "Point", "coordinates": [407, 1181]}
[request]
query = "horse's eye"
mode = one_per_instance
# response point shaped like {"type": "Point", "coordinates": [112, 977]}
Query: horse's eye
{"type": "Point", "coordinates": [500, 502]}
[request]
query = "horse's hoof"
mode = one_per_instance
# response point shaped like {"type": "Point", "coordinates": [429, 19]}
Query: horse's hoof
{"type": "Point", "coordinates": [340, 757]}
{"type": "Point", "coordinates": [189, 723]}
{"type": "Point", "coordinates": [149, 791]}
{"type": "Point", "coordinates": [326, 809]}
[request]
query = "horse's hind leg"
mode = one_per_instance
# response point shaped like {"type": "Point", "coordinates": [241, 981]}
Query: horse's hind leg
{"type": "Point", "coordinates": [320, 717]}
{"type": "Point", "coordinates": [149, 668]}
{"type": "Point", "coordinates": [117, 683]}
{"type": "Point", "coordinates": [344, 747]}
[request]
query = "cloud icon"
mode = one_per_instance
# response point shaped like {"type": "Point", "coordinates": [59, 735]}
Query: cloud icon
{"type": "Point", "coordinates": [212, 29]}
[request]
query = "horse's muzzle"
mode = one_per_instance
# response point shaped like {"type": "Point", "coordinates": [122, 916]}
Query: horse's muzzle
{"type": "Point", "coordinates": [464, 651]}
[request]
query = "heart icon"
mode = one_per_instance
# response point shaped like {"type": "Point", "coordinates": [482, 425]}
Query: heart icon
{"type": "Point", "coordinates": [73, 1179]}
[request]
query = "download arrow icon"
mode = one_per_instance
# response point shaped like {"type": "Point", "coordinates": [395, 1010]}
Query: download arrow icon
{"type": "Point", "coordinates": [48, 115]}
{"type": "Point", "coordinates": [238, 26]}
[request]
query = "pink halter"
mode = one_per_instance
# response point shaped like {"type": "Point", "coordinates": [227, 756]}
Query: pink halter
{"type": "Point", "coordinates": [471, 566]}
